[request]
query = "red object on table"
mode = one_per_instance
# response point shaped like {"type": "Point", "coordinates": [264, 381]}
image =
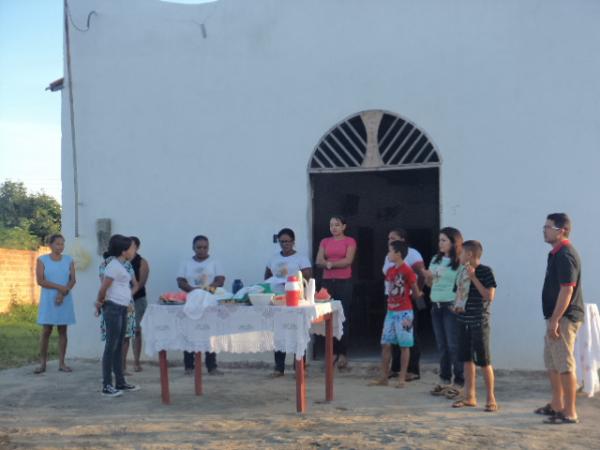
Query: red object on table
{"type": "Point", "coordinates": [293, 291]}
{"type": "Point", "coordinates": [300, 381]}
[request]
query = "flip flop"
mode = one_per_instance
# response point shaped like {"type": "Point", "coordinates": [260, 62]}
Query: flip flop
{"type": "Point", "coordinates": [137, 369]}
{"type": "Point", "coordinates": [39, 370]}
{"type": "Point", "coordinates": [545, 410]}
{"type": "Point", "coordinates": [65, 369]}
{"type": "Point", "coordinates": [560, 419]}
{"type": "Point", "coordinates": [491, 407]}
{"type": "Point", "coordinates": [463, 404]}
{"type": "Point", "coordinates": [400, 385]}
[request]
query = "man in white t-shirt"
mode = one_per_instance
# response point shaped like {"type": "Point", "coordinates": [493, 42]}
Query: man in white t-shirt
{"type": "Point", "coordinates": [200, 271]}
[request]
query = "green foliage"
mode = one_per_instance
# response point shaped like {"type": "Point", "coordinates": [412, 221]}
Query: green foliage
{"type": "Point", "coordinates": [20, 337]}
{"type": "Point", "coordinates": [18, 238]}
{"type": "Point", "coordinates": [25, 218]}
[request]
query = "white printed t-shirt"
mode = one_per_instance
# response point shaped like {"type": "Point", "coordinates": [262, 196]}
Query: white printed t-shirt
{"type": "Point", "coordinates": [119, 291]}
{"type": "Point", "coordinates": [200, 273]}
{"type": "Point", "coordinates": [282, 266]}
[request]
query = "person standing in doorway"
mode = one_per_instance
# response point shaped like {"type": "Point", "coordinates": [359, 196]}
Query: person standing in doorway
{"type": "Point", "coordinates": [200, 272]}
{"type": "Point", "coordinates": [286, 262]}
{"type": "Point", "coordinates": [415, 261]}
{"type": "Point", "coordinates": [335, 257]}
{"type": "Point", "coordinates": [441, 278]}
{"type": "Point", "coordinates": [562, 305]}
{"type": "Point", "coordinates": [141, 270]}
{"type": "Point", "coordinates": [55, 273]}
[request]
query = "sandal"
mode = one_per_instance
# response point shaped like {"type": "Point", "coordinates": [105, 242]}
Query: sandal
{"type": "Point", "coordinates": [342, 362]}
{"type": "Point", "coordinates": [491, 407]}
{"type": "Point", "coordinates": [545, 410]}
{"type": "Point", "coordinates": [65, 369]}
{"type": "Point", "coordinates": [400, 384]}
{"type": "Point", "coordinates": [39, 370]}
{"type": "Point", "coordinates": [137, 368]}
{"type": "Point", "coordinates": [453, 392]}
{"type": "Point", "coordinates": [463, 404]}
{"type": "Point", "coordinates": [560, 419]}
{"type": "Point", "coordinates": [276, 374]}
{"type": "Point", "coordinates": [412, 377]}
{"type": "Point", "coordinates": [439, 390]}
{"type": "Point", "coordinates": [379, 382]}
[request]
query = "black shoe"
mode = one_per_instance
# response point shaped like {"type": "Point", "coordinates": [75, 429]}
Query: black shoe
{"type": "Point", "coordinates": [109, 391]}
{"type": "Point", "coordinates": [215, 372]}
{"type": "Point", "coordinates": [128, 387]}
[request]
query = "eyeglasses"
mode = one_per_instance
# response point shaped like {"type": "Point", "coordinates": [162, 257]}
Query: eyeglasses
{"type": "Point", "coordinates": [285, 242]}
{"type": "Point", "coordinates": [549, 227]}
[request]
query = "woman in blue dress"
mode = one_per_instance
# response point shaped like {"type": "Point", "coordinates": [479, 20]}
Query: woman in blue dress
{"type": "Point", "coordinates": [55, 274]}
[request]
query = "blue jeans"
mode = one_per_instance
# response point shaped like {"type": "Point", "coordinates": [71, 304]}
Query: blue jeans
{"type": "Point", "coordinates": [115, 317]}
{"type": "Point", "coordinates": [445, 328]}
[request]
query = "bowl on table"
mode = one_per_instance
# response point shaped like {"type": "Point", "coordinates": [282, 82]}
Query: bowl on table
{"type": "Point", "coordinates": [261, 299]}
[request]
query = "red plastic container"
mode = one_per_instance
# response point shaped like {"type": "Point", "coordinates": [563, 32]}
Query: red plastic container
{"type": "Point", "coordinates": [293, 291]}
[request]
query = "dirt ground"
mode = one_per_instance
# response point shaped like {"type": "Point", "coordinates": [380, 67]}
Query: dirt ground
{"type": "Point", "coordinates": [246, 409]}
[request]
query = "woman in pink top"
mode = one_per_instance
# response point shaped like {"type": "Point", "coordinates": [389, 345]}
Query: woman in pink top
{"type": "Point", "coordinates": [335, 257]}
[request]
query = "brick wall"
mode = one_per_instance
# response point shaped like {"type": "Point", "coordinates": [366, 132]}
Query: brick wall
{"type": "Point", "coordinates": [17, 276]}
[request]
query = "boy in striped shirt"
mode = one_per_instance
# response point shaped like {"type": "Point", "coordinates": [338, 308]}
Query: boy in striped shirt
{"type": "Point", "coordinates": [476, 282]}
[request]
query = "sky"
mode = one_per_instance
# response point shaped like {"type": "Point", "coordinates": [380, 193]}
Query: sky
{"type": "Point", "coordinates": [30, 58]}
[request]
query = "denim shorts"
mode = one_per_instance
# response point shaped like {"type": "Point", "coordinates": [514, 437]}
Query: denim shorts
{"type": "Point", "coordinates": [398, 328]}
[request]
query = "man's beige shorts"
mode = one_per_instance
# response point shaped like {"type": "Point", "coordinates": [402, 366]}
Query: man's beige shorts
{"type": "Point", "coordinates": [558, 353]}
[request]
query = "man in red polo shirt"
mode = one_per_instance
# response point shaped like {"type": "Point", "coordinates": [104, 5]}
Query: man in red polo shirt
{"type": "Point", "coordinates": [562, 304]}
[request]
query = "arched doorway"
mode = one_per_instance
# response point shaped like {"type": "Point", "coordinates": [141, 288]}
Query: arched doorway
{"type": "Point", "coordinates": [380, 171]}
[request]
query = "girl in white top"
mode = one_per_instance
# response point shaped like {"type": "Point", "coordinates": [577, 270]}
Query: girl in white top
{"type": "Point", "coordinates": [114, 297]}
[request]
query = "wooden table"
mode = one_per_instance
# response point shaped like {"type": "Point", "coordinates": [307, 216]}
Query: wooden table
{"type": "Point", "coordinates": [327, 319]}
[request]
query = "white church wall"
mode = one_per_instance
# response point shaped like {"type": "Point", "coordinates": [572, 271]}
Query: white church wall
{"type": "Point", "coordinates": [179, 135]}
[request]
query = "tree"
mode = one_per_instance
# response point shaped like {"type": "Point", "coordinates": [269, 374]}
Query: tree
{"type": "Point", "coordinates": [26, 219]}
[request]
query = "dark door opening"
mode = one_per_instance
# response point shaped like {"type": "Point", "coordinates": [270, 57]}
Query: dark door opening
{"type": "Point", "coordinates": [374, 202]}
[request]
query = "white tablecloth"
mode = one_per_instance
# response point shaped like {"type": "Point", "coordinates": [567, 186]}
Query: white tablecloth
{"type": "Point", "coordinates": [587, 350]}
{"type": "Point", "coordinates": [237, 328]}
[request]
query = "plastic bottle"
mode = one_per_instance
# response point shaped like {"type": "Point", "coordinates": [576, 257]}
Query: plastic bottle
{"type": "Point", "coordinates": [237, 285]}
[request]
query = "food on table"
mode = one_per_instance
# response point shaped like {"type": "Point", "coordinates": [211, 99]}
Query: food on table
{"type": "Point", "coordinates": [173, 297]}
{"type": "Point", "coordinates": [322, 295]}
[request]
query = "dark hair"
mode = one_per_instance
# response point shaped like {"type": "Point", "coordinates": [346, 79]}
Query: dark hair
{"type": "Point", "coordinates": [338, 217]}
{"type": "Point", "coordinates": [200, 237]}
{"type": "Point", "coordinates": [117, 245]}
{"type": "Point", "coordinates": [561, 220]}
{"type": "Point", "coordinates": [400, 247]}
{"type": "Point", "coordinates": [474, 247]}
{"type": "Point", "coordinates": [401, 232]}
{"type": "Point", "coordinates": [457, 241]}
{"type": "Point", "coordinates": [50, 239]}
{"type": "Point", "coordinates": [135, 240]}
{"type": "Point", "coordinates": [287, 231]}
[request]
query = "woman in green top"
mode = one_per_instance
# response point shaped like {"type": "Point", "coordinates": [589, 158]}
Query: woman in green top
{"type": "Point", "coordinates": [441, 277]}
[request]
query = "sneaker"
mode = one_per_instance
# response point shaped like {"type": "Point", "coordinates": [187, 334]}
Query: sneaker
{"type": "Point", "coordinates": [216, 372]}
{"type": "Point", "coordinates": [109, 391]}
{"type": "Point", "coordinates": [128, 387]}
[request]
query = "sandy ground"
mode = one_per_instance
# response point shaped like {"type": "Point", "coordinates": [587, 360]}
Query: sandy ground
{"type": "Point", "coordinates": [245, 409]}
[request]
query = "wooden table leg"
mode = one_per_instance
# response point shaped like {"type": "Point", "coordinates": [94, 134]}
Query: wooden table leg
{"type": "Point", "coordinates": [164, 377]}
{"type": "Point", "coordinates": [300, 386]}
{"type": "Point", "coordinates": [329, 357]}
{"type": "Point", "coordinates": [198, 373]}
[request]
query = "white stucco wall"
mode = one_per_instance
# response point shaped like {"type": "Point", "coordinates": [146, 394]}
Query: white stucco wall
{"type": "Point", "coordinates": [180, 135]}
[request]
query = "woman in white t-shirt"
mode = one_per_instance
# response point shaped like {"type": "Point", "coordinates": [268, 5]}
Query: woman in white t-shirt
{"type": "Point", "coordinates": [114, 297]}
{"type": "Point", "coordinates": [284, 263]}
{"type": "Point", "coordinates": [200, 272]}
